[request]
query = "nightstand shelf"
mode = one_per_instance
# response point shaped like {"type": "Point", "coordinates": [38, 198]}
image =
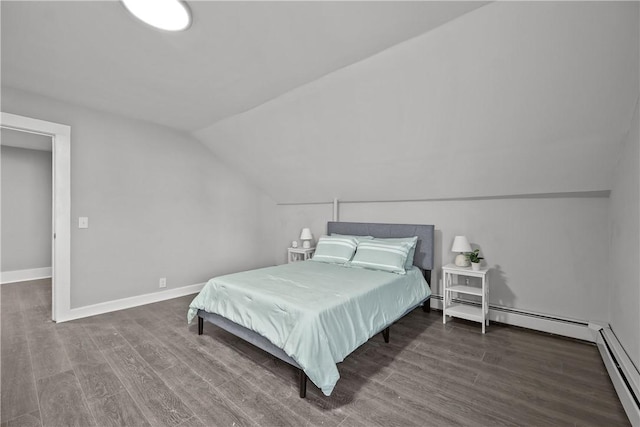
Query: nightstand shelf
{"type": "Point", "coordinates": [465, 311]}
{"type": "Point", "coordinates": [451, 291]}
{"type": "Point", "coordinates": [470, 290]}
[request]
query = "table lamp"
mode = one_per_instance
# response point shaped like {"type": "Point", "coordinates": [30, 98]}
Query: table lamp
{"type": "Point", "coordinates": [306, 238]}
{"type": "Point", "coordinates": [461, 245]}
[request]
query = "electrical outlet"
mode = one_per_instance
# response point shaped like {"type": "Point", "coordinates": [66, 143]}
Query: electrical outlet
{"type": "Point", "coordinates": [163, 282]}
{"type": "Point", "coordinates": [83, 222]}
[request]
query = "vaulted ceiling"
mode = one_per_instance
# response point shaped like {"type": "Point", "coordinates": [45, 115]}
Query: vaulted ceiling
{"type": "Point", "coordinates": [358, 100]}
{"type": "Point", "coordinates": [514, 98]}
{"type": "Point", "coordinates": [235, 56]}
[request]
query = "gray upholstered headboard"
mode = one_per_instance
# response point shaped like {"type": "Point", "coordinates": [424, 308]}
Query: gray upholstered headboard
{"type": "Point", "coordinates": [424, 248]}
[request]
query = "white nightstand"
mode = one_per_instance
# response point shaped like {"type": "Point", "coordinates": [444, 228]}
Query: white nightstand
{"type": "Point", "coordinates": [465, 311]}
{"type": "Point", "coordinates": [300, 254]}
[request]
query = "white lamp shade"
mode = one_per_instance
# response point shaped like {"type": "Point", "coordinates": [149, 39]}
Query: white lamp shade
{"type": "Point", "coordinates": [461, 244]}
{"type": "Point", "coordinates": [306, 234]}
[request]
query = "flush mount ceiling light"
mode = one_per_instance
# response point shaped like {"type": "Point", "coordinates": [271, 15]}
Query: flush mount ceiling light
{"type": "Point", "coordinates": [169, 15]}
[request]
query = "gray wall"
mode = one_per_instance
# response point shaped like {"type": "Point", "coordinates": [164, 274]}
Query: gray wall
{"type": "Point", "coordinates": [26, 207]}
{"type": "Point", "coordinates": [624, 303]}
{"type": "Point", "coordinates": [159, 205]}
{"type": "Point", "coordinates": [535, 246]}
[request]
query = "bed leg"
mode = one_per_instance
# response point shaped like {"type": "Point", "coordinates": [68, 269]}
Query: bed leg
{"type": "Point", "coordinates": [426, 306]}
{"type": "Point", "coordinates": [385, 334]}
{"type": "Point", "coordinates": [303, 384]}
{"type": "Point", "coordinates": [200, 325]}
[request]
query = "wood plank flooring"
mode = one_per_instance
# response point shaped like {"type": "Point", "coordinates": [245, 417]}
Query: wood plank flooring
{"type": "Point", "coordinates": [146, 367]}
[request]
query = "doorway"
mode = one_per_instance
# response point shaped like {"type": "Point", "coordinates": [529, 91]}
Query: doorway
{"type": "Point", "coordinates": [61, 206]}
{"type": "Point", "coordinates": [27, 206]}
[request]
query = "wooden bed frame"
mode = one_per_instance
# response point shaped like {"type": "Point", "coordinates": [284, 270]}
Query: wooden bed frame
{"type": "Point", "coordinates": [423, 259]}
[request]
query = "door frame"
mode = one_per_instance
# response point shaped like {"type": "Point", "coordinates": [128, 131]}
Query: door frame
{"type": "Point", "coordinates": [61, 206]}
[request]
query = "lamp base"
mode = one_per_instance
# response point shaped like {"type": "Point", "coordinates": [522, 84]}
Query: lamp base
{"type": "Point", "coordinates": [462, 261]}
{"type": "Point", "coordinates": [306, 244]}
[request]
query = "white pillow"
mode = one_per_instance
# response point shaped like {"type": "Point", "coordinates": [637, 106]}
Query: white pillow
{"type": "Point", "coordinates": [335, 249]}
{"type": "Point", "coordinates": [382, 255]}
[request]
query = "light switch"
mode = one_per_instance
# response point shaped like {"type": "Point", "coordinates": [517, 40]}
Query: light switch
{"type": "Point", "coordinates": [83, 222]}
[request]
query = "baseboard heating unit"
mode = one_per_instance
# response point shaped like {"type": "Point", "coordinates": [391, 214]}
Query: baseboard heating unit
{"type": "Point", "coordinates": [566, 327]}
{"type": "Point", "coordinates": [623, 373]}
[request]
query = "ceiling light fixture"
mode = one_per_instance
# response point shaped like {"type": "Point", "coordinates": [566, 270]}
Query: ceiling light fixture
{"type": "Point", "coordinates": [169, 15]}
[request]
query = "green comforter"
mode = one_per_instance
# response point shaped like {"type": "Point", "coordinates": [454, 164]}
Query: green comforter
{"type": "Point", "coordinates": [317, 313]}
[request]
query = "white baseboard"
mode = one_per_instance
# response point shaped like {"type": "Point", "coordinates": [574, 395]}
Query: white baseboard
{"type": "Point", "coordinates": [124, 303]}
{"type": "Point", "coordinates": [566, 327]}
{"type": "Point", "coordinates": [25, 275]}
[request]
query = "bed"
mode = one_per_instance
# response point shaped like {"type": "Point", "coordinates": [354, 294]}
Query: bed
{"type": "Point", "coordinates": [313, 314]}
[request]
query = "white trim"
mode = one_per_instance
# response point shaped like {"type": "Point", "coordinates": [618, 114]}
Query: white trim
{"type": "Point", "coordinates": [61, 244]}
{"type": "Point", "coordinates": [130, 302]}
{"type": "Point", "coordinates": [25, 275]}
{"type": "Point", "coordinates": [610, 348]}
{"type": "Point", "coordinates": [536, 321]}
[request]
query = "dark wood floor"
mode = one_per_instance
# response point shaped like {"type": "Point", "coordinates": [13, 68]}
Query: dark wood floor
{"type": "Point", "coordinates": [146, 367]}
